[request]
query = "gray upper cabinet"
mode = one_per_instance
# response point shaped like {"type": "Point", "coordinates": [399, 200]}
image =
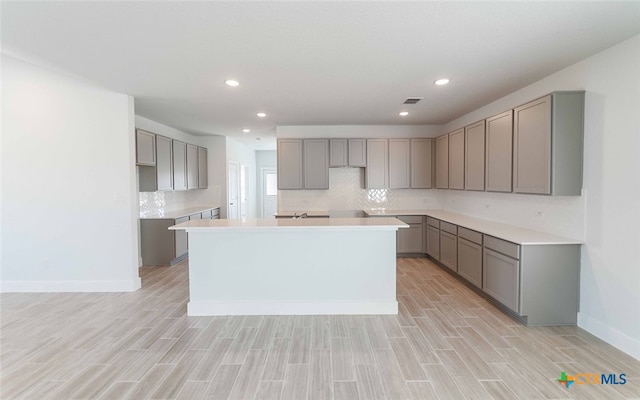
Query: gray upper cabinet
{"type": "Point", "coordinates": [456, 159]}
{"type": "Point", "coordinates": [421, 163]}
{"type": "Point", "coordinates": [164, 165]}
{"type": "Point", "coordinates": [377, 171]}
{"type": "Point", "coordinates": [442, 162]}
{"type": "Point", "coordinates": [179, 165]}
{"type": "Point", "coordinates": [499, 152]}
{"type": "Point", "coordinates": [145, 148]}
{"type": "Point", "coordinates": [474, 156]}
{"type": "Point", "coordinates": [316, 163]}
{"type": "Point", "coordinates": [203, 180]}
{"type": "Point", "coordinates": [548, 145]}
{"type": "Point", "coordinates": [357, 153]}
{"type": "Point", "coordinates": [192, 166]}
{"type": "Point", "coordinates": [399, 163]}
{"type": "Point", "coordinates": [290, 164]}
{"type": "Point", "coordinates": [338, 154]}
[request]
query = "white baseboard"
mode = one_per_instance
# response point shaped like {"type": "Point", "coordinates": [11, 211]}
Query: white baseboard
{"type": "Point", "coordinates": [612, 336]}
{"type": "Point", "coordinates": [70, 286]}
{"type": "Point", "coordinates": [204, 308]}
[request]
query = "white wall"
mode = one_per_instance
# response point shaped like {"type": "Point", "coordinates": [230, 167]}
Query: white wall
{"type": "Point", "coordinates": [245, 156]}
{"type": "Point", "coordinates": [69, 202]}
{"type": "Point", "coordinates": [175, 200]}
{"type": "Point", "coordinates": [607, 216]}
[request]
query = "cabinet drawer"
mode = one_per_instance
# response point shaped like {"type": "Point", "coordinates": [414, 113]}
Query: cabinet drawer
{"type": "Point", "coordinates": [206, 214]}
{"type": "Point", "coordinates": [215, 213]}
{"type": "Point", "coordinates": [410, 219]}
{"type": "Point", "coordinates": [447, 227]}
{"type": "Point", "coordinates": [195, 216]}
{"type": "Point", "coordinates": [433, 222]}
{"type": "Point", "coordinates": [472, 236]}
{"type": "Point", "coordinates": [502, 246]}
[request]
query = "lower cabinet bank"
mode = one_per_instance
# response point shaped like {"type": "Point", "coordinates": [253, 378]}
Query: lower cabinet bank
{"type": "Point", "coordinates": [536, 282]}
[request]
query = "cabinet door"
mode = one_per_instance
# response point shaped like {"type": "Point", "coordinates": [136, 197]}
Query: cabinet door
{"type": "Point", "coordinates": [181, 238]}
{"type": "Point", "coordinates": [470, 261]}
{"type": "Point", "coordinates": [499, 152]}
{"type": "Point", "coordinates": [203, 180]}
{"type": "Point", "coordinates": [377, 171]}
{"type": "Point", "coordinates": [399, 163]}
{"type": "Point", "coordinates": [338, 153]}
{"type": "Point", "coordinates": [316, 163]}
{"type": "Point", "coordinates": [433, 242]}
{"type": "Point", "coordinates": [290, 164]}
{"type": "Point", "coordinates": [410, 239]}
{"type": "Point", "coordinates": [442, 162]}
{"type": "Point", "coordinates": [501, 277]}
{"type": "Point", "coordinates": [456, 160]}
{"type": "Point", "coordinates": [474, 156]}
{"type": "Point", "coordinates": [421, 163]}
{"type": "Point", "coordinates": [164, 164]}
{"type": "Point", "coordinates": [532, 147]}
{"type": "Point", "coordinates": [192, 166]}
{"type": "Point", "coordinates": [145, 148]}
{"type": "Point", "coordinates": [179, 165]}
{"type": "Point", "coordinates": [357, 153]}
{"type": "Point", "coordinates": [449, 250]}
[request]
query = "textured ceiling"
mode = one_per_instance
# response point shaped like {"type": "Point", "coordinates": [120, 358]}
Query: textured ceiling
{"type": "Point", "coordinates": [310, 63]}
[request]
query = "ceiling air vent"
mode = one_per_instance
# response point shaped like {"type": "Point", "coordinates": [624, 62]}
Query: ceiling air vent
{"type": "Point", "coordinates": [412, 100]}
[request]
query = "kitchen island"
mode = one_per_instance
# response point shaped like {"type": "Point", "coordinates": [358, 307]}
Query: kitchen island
{"type": "Point", "coordinates": [292, 266]}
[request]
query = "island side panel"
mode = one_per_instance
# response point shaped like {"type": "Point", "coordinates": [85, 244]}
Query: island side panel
{"type": "Point", "coordinates": [280, 272]}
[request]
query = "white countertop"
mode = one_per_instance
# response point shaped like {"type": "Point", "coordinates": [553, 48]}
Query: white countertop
{"type": "Point", "coordinates": [301, 223]}
{"type": "Point", "coordinates": [324, 213]}
{"type": "Point", "coordinates": [173, 214]}
{"type": "Point", "coordinates": [510, 233]}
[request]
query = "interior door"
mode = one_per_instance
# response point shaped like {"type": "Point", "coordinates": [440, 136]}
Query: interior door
{"type": "Point", "coordinates": [233, 190]}
{"type": "Point", "coordinates": [269, 192]}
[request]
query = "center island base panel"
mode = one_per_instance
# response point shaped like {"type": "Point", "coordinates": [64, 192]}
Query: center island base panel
{"type": "Point", "coordinates": [311, 272]}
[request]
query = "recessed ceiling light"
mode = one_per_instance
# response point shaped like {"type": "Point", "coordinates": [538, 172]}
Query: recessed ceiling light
{"type": "Point", "coordinates": [442, 81]}
{"type": "Point", "coordinates": [403, 113]}
{"type": "Point", "coordinates": [261, 114]}
{"type": "Point", "coordinates": [246, 130]}
{"type": "Point", "coordinates": [231, 82]}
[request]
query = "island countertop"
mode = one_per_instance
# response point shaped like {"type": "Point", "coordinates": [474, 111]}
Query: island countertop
{"type": "Point", "coordinates": [300, 223]}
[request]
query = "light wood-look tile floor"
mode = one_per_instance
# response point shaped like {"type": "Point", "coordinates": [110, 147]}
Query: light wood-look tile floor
{"type": "Point", "coordinates": [446, 343]}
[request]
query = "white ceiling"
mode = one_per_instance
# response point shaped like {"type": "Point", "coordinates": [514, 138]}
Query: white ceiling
{"type": "Point", "coordinates": [310, 63]}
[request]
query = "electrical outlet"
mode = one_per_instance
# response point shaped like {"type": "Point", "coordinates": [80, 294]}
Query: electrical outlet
{"type": "Point", "coordinates": [540, 214]}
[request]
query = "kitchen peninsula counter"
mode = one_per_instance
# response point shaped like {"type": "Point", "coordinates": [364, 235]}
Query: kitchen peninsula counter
{"type": "Point", "coordinates": [292, 266]}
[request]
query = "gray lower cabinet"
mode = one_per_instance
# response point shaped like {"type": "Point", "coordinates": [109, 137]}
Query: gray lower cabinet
{"type": "Point", "coordinates": [474, 156]}
{"type": "Point", "coordinates": [499, 152]}
{"type": "Point", "coordinates": [422, 163]}
{"type": "Point", "coordinates": [145, 148]}
{"type": "Point", "coordinates": [159, 245]}
{"type": "Point", "coordinates": [442, 162]}
{"type": "Point", "coordinates": [410, 239]}
{"type": "Point", "coordinates": [181, 242]}
{"type": "Point", "coordinates": [179, 165]}
{"type": "Point", "coordinates": [449, 250]}
{"type": "Point", "coordinates": [192, 166]}
{"type": "Point", "coordinates": [456, 160]}
{"type": "Point", "coordinates": [552, 122]}
{"type": "Point", "coordinates": [501, 278]}
{"type": "Point", "coordinates": [377, 171]}
{"type": "Point", "coordinates": [203, 180]}
{"type": "Point", "coordinates": [399, 163]}
{"type": "Point", "coordinates": [433, 241]}
{"type": "Point", "coordinates": [290, 164]}
{"type": "Point", "coordinates": [316, 163]}
{"type": "Point", "coordinates": [470, 261]}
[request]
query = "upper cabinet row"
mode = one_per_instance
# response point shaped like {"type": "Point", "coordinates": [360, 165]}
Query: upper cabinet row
{"type": "Point", "coordinates": [168, 164]}
{"type": "Point", "coordinates": [533, 149]}
{"type": "Point", "coordinates": [399, 164]}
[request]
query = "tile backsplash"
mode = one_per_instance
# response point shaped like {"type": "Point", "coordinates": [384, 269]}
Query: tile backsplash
{"type": "Point", "coordinates": [168, 201]}
{"type": "Point", "coordinates": [346, 192]}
